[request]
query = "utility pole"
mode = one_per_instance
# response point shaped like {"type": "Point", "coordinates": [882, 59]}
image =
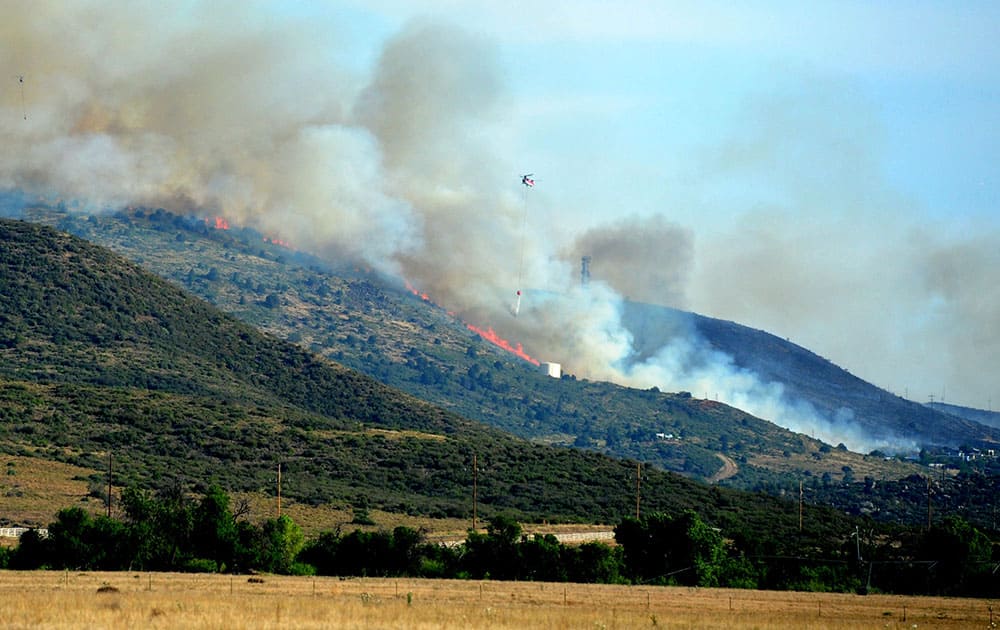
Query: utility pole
{"type": "Point", "coordinates": [638, 483]}
{"type": "Point", "coordinates": [109, 483]}
{"type": "Point", "coordinates": [928, 503]}
{"type": "Point", "coordinates": [475, 489]}
{"type": "Point", "coordinates": [857, 540]}
{"type": "Point", "coordinates": [800, 505]}
{"type": "Point", "coordinates": [279, 489]}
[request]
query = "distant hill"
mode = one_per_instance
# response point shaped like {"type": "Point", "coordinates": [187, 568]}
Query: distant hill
{"type": "Point", "coordinates": [98, 356]}
{"type": "Point", "coordinates": [982, 416]}
{"type": "Point", "coordinates": [833, 392]}
{"type": "Point", "coordinates": [373, 325]}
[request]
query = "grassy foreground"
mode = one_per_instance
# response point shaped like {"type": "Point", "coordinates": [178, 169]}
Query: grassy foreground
{"type": "Point", "coordinates": [42, 599]}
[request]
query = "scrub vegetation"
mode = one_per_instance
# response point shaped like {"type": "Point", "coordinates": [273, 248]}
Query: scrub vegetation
{"type": "Point", "coordinates": [101, 361]}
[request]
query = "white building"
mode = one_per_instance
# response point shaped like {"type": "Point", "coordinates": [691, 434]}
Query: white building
{"type": "Point", "coordinates": [551, 369]}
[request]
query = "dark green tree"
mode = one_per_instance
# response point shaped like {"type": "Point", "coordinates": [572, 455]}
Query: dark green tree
{"type": "Point", "coordinates": [542, 559]}
{"type": "Point", "coordinates": [962, 555]}
{"type": "Point", "coordinates": [32, 552]}
{"type": "Point", "coordinates": [322, 553]}
{"type": "Point", "coordinates": [495, 554]}
{"type": "Point", "coordinates": [664, 549]}
{"type": "Point", "coordinates": [67, 543]}
{"type": "Point", "coordinates": [215, 536]}
{"type": "Point", "coordinates": [107, 542]}
{"type": "Point", "coordinates": [407, 547]}
{"type": "Point", "coordinates": [249, 548]}
{"type": "Point", "coordinates": [158, 528]}
{"type": "Point", "coordinates": [593, 562]}
{"type": "Point", "coordinates": [282, 540]}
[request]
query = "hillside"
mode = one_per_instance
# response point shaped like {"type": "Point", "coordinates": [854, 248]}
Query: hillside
{"type": "Point", "coordinates": [985, 417]}
{"type": "Point", "coordinates": [833, 392]}
{"type": "Point", "coordinates": [99, 356]}
{"type": "Point", "coordinates": [373, 325]}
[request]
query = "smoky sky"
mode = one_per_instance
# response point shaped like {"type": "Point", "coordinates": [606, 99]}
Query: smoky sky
{"type": "Point", "coordinates": [644, 259]}
{"type": "Point", "coordinates": [235, 109]}
{"type": "Point", "coordinates": [842, 262]}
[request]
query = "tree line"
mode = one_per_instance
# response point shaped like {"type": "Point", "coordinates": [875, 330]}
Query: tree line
{"type": "Point", "coordinates": [167, 531]}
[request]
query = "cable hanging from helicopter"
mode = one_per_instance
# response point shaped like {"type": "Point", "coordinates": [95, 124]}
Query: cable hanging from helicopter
{"type": "Point", "coordinates": [24, 110]}
{"type": "Point", "coordinates": [527, 182]}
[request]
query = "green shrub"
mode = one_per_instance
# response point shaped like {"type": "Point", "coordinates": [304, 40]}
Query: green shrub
{"type": "Point", "coordinates": [200, 565]}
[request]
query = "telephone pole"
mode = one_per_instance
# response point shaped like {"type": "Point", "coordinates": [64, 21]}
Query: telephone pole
{"type": "Point", "coordinates": [928, 503]}
{"type": "Point", "coordinates": [109, 484]}
{"type": "Point", "coordinates": [475, 489]}
{"type": "Point", "coordinates": [638, 482]}
{"type": "Point", "coordinates": [800, 505]}
{"type": "Point", "coordinates": [279, 489]}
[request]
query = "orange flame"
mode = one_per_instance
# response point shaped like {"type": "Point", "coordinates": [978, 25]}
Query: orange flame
{"type": "Point", "coordinates": [411, 289]}
{"type": "Point", "coordinates": [497, 340]}
{"type": "Point", "coordinates": [221, 223]}
{"type": "Point", "coordinates": [488, 334]}
{"type": "Point", "coordinates": [279, 242]}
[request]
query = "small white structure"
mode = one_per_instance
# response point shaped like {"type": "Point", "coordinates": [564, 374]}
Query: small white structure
{"type": "Point", "coordinates": [15, 532]}
{"type": "Point", "coordinates": [551, 369]}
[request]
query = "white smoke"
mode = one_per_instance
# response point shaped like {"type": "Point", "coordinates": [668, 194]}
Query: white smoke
{"type": "Point", "coordinates": [673, 356]}
{"type": "Point", "coordinates": [687, 364]}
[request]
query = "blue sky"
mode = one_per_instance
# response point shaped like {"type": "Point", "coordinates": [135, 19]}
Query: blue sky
{"type": "Point", "coordinates": [634, 87]}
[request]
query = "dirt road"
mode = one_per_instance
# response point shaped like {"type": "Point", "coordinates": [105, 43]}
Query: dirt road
{"type": "Point", "coordinates": [729, 468]}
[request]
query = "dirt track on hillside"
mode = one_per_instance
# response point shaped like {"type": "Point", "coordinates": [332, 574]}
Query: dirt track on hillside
{"type": "Point", "coordinates": [729, 468]}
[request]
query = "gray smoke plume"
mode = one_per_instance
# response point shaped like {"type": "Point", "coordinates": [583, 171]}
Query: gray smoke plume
{"type": "Point", "coordinates": [643, 259]}
{"type": "Point", "coordinates": [221, 108]}
{"type": "Point", "coordinates": [243, 110]}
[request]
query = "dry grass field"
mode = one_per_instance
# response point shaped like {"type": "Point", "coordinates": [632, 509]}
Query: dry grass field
{"type": "Point", "coordinates": [133, 600]}
{"type": "Point", "coordinates": [33, 489]}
